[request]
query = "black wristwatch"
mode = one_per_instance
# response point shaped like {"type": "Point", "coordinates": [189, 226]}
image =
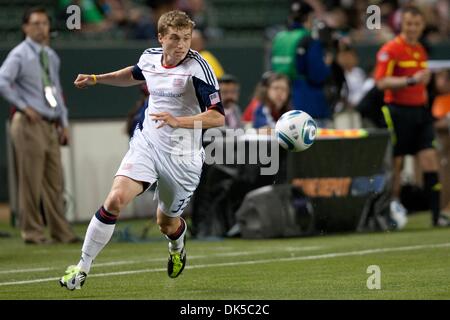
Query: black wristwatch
{"type": "Point", "coordinates": [410, 81]}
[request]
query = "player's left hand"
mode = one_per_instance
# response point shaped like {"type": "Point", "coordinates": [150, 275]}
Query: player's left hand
{"type": "Point", "coordinates": [165, 118]}
{"type": "Point", "coordinates": [84, 80]}
{"type": "Point", "coordinates": [64, 136]}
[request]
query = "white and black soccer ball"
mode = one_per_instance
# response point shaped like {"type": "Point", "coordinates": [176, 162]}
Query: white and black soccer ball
{"type": "Point", "coordinates": [296, 130]}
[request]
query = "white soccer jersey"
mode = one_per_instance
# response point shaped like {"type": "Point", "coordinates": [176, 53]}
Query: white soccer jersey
{"type": "Point", "coordinates": [183, 90]}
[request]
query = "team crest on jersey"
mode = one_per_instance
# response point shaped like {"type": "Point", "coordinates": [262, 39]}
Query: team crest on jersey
{"type": "Point", "coordinates": [177, 82]}
{"type": "Point", "coordinates": [214, 98]}
{"type": "Point", "coordinates": [383, 56]}
{"type": "Point", "coordinates": [127, 166]}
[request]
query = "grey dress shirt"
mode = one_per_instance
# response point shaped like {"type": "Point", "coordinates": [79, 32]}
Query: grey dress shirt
{"type": "Point", "coordinates": [21, 80]}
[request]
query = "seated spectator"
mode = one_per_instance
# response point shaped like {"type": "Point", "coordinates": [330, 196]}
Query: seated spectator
{"type": "Point", "coordinates": [274, 102]}
{"type": "Point", "coordinates": [439, 93]}
{"type": "Point", "coordinates": [143, 18]}
{"type": "Point", "coordinates": [371, 103]}
{"type": "Point", "coordinates": [140, 24]}
{"type": "Point", "coordinates": [136, 115]}
{"type": "Point", "coordinates": [114, 11]}
{"type": "Point", "coordinates": [354, 75]}
{"type": "Point", "coordinates": [198, 43]}
{"type": "Point", "coordinates": [203, 14]}
{"type": "Point", "coordinates": [247, 116]}
{"type": "Point", "coordinates": [348, 117]}
{"type": "Point", "coordinates": [229, 91]}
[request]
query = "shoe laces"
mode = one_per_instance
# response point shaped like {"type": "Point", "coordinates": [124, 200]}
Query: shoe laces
{"type": "Point", "coordinates": [176, 257]}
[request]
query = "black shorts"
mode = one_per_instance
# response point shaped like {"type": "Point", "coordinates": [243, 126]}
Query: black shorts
{"type": "Point", "coordinates": [412, 128]}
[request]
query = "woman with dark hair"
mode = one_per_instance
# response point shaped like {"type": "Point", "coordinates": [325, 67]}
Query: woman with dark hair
{"type": "Point", "coordinates": [275, 101]}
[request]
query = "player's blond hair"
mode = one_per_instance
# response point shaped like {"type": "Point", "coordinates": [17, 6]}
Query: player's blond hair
{"type": "Point", "coordinates": [175, 19]}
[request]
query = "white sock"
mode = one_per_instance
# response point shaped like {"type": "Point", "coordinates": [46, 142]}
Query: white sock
{"type": "Point", "coordinates": [177, 244]}
{"type": "Point", "coordinates": [98, 235]}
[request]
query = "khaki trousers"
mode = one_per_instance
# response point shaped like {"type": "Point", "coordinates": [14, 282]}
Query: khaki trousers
{"type": "Point", "coordinates": [39, 180]}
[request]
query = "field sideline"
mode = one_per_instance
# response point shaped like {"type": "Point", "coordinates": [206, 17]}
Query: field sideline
{"type": "Point", "coordinates": [414, 264]}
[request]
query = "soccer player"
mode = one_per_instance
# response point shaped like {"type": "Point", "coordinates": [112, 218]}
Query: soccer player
{"type": "Point", "coordinates": [402, 73]}
{"type": "Point", "coordinates": [167, 149]}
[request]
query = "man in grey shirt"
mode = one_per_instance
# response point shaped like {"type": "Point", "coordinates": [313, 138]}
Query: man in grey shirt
{"type": "Point", "coordinates": [229, 90]}
{"type": "Point", "coordinates": [29, 80]}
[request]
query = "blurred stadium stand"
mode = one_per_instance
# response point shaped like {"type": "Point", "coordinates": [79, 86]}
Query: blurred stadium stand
{"type": "Point", "coordinates": [237, 19]}
{"type": "Point", "coordinates": [250, 18]}
{"type": "Point", "coordinates": [11, 13]}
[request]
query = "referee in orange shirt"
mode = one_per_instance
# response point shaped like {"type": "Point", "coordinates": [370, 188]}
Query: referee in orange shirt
{"type": "Point", "coordinates": [402, 73]}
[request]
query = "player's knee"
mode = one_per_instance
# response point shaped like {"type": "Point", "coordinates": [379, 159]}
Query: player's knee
{"type": "Point", "coordinates": [115, 201]}
{"type": "Point", "coordinates": [166, 227]}
{"type": "Point", "coordinates": [429, 162]}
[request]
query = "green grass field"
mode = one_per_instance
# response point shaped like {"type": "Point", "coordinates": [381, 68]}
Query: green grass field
{"type": "Point", "coordinates": [414, 264]}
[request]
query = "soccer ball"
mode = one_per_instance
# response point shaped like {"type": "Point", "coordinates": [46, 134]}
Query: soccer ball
{"type": "Point", "coordinates": [296, 130]}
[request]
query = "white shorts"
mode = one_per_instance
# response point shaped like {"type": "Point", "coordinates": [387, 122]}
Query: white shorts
{"type": "Point", "coordinates": [177, 177]}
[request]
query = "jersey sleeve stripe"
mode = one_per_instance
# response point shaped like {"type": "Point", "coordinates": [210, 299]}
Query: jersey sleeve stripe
{"type": "Point", "coordinates": [390, 68]}
{"type": "Point", "coordinates": [192, 56]}
{"type": "Point", "coordinates": [207, 68]}
{"type": "Point", "coordinates": [202, 61]}
{"type": "Point", "coordinates": [207, 77]}
{"type": "Point", "coordinates": [137, 73]}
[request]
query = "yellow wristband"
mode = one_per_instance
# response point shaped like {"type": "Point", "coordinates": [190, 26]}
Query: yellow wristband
{"type": "Point", "coordinates": [94, 77]}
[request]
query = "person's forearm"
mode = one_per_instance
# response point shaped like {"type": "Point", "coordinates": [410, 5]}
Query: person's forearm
{"type": "Point", "coordinates": [11, 95]}
{"type": "Point", "coordinates": [208, 119]}
{"type": "Point", "coordinates": [64, 117]}
{"type": "Point", "coordinates": [119, 78]}
{"type": "Point", "coordinates": [392, 83]}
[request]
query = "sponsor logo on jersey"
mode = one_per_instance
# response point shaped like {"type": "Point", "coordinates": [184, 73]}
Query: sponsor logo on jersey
{"type": "Point", "coordinates": [162, 93]}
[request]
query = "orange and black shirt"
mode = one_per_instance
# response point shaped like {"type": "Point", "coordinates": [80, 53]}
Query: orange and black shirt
{"type": "Point", "coordinates": [398, 58]}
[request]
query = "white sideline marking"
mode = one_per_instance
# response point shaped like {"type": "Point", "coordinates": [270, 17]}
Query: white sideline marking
{"type": "Point", "coordinates": [227, 264]}
{"type": "Point", "coordinates": [25, 270]}
{"type": "Point", "coordinates": [125, 262]}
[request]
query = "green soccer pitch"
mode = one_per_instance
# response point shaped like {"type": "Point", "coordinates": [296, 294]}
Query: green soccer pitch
{"type": "Point", "coordinates": [414, 264]}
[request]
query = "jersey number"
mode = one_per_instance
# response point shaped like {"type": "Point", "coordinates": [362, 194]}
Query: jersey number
{"type": "Point", "coordinates": [183, 204]}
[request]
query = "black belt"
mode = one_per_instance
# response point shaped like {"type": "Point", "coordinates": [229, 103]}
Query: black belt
{"type": "Point", "coordinates": [47, 119]}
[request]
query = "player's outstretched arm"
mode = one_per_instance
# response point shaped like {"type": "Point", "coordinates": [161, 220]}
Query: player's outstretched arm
{"type": "Point", "coordinates": [119, 78]}
{"type": "Point", "coordinates": [208, 119]}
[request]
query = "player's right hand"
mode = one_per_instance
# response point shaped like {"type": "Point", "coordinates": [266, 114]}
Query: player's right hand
{"type": "Point", "coordinates": [84, 80]}
{"type": "Point", "coordinates": [32, 115]}
{"type": "Point", "coordinates": [423, 76]}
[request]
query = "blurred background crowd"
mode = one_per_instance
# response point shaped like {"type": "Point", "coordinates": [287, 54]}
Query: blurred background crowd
{"type": "Point", "coordinates": [227, 19]}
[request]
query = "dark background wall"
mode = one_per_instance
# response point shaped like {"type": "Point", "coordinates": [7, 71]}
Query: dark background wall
{"type": "Point", "coordinates": [245, 60]}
